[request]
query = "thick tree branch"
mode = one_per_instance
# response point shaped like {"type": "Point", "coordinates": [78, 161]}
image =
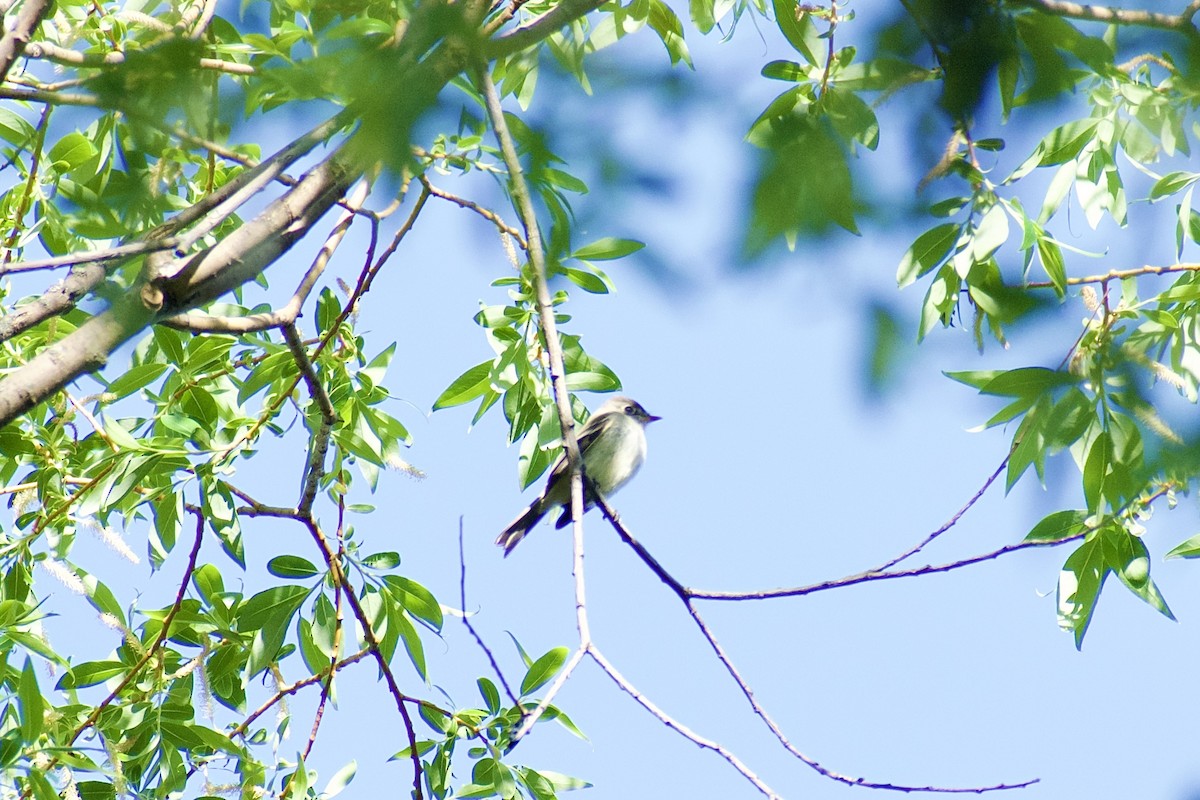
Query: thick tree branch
{"type": "Point", "coordinates": [549, 23]}
{"type": "Point", "coordinates": [17, 37]}
{"type": "Point", "coordinates": [1111, 15]}
{"type": "Point", "coordinates": [74, 58]}
{"type": "Point", "coordinates": [198, 322]}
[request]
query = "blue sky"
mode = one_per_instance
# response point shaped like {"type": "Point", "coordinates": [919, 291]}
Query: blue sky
{"type": "Point", "coordinates": [773, 466]}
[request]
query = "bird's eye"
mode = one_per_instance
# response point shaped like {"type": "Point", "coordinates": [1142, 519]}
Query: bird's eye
{"type": "Point", "coordinates": [628, 409]}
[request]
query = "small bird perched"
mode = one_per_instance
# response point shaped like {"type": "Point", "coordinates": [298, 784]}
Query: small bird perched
{"type": "Point", "coordinates": [613, 445]}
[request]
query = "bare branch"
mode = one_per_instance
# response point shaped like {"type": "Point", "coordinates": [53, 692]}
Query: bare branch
{"type": "Point", "coordinates": [241, 728]}
{"type": "Point", "coordinates": [950, 523]}
{"type": "Point", "coordinates": [49, 97]}
{"type": "Point", "coordinates": [688, 596]}
{"type": "Point", "coordinates": [340, 580]}
{"type": "Point", "coordinates": [462, 595]}
{"type": "Point", "coordinates": [470, 205]}
{"type": "Point", "coordinates": [199, 322]}
{"type": "Point", "coordinates": [679, 727]}
{"type": "Point", "coordinates": [867, 577]}
{"type": "Point", "coordinates": [1118, 274]}
{"type": "Point", "coordinates": [58, 299]}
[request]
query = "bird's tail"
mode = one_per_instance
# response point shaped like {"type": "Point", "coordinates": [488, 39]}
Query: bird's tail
{"type": "Point", "coordinates": [511, 536]}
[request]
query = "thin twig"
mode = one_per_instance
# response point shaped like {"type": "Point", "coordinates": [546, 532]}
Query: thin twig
{"type": "Point", "coordinates": [679, 727]}
{"type": "Point", "coordinates": [340, 580]}
{"type": "Point", "coordinates": [950, 523]}
{"type": "Point", "coordinates": [1118, 274]}
{"type": "Point", "coordinates": [470, 205]}
{"type": "Point", "coordinates": [17, 37]}
{"type": "Point", "coordinates": [158, 640]}
{"type": "Point", "coordinates": [867, 577]}
{"type": "Point", "coordinates": [241, 728]}
{"type": "Point", "coordinates": [687, 597]}
{"type": "Point", "coordinates": [462, 595]}
{"type": "Point", "coordinates": [315, 469]}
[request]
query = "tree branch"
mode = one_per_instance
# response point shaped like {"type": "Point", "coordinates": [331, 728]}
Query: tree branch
{"type": "Point", "coordinates": [688, 596]}
{"type": "Point", "coordinates": [74, 58]}
{"type": "Point", "coordinates": [17, 37]}
{"type": "Point", "coordinates": [538, 29]}
{"type": "Point", "coordinates": [315, 469]}
{"type": "Point", "coordinates": [1112, 15]}
{"type": "Point", "coordinates": [677, 726]}
{"type": "Point", "coordinates": [867, 577]}
{"type": "Point", "coordinates": [523, 203]}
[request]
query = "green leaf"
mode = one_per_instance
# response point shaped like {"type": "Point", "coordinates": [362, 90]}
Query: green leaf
{"type": "Point", "coordinates": [1028, 444]}
{"type": "Point", "coordinates": [797, 28]}
{"type": "Point", "coordinates": [786, 71]}
{"type": "Point", "coordinates": [1069, 419]}
{"type": "Point", "coordinates": [607, 249]}
{"type": "Point", "coordinates": [270, 606]}
{"type": "Point", "coordinates": [388, 559]}
{"type": "Point", "coordinates": [90, 673]}
{"type": "Point", "coordinates": [291, 567]}
{"type": "Point", "coordinates": [136, 377]}
{"type": "Point", "coordinates": [1171, 183]}
{"type": "Point", "coordinates": [1058, 526]}
{"type": "Point", "coordinates": [340, 780]}
{"type": "Point", "coordinates": [490, 694]}
{"type": "Point", "coordinates": [701, 12]}
{"type": "Point", "coordinates": [588, 281]}
{"type": "Point", "coordinates": [75, 154]}
{"type": "Point", "coordinates": [543, 670]}
{"type": "Point", "coordinates": [927, 252]}
{"type": "Point", "coordinates": [466, 387]}
{"type": "Point", "coordinates": [1079, 584]}
{"type": "Point", "coordinates": [1128, 558]}
{"type": "Point", "coordinates": [803, 183]}
{"type": "Point", "coordinates": [32, 704]}
{"type": "Point", "coordinates": [1189, 548]}
{"type": "Point", "coordinates": [1051, 257]}
{"type": "Point", "coordinates": [990, 234]}
{"type": "Point", "coordinates": [1095, 468]}
{"type": "Point", "coordinates": [415, 599]}
{"type": "Point", "coordinates": [398, 619]}
{"type": "Point", "coordinates": [208, 582]}
{"type": "Point", "coordinates": [1025, 381]}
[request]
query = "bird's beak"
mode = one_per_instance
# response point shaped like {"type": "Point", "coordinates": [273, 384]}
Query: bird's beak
{"type": "Point", "coordinates": [651, 418]}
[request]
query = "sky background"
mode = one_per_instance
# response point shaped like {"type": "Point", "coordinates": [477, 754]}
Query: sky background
{"type": "Point", "coordinates": [775, 464]}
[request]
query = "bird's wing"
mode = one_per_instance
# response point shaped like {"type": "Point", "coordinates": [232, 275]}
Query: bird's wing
{"type": "Point", "coordinates": [596, 426]}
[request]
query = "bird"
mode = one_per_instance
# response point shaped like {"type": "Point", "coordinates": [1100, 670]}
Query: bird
{"type": "Point", "coordinates": [613, 445]}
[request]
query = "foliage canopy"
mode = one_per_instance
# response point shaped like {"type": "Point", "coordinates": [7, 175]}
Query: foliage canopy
{"type": "Point", "coordinates": [129, 173]}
